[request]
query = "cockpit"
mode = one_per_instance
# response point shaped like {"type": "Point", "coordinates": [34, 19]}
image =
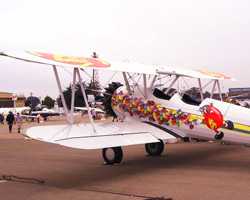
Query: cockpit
{"type": "Point", "coordinates": [167, 94]}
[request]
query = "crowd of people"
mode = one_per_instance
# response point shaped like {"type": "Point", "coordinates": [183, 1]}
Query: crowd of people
{"type": "Point", "coordinates": [11, 120]}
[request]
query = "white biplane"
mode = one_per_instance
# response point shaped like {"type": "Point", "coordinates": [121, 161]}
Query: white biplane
{"type": "Point", "coordinates": [152, 115]}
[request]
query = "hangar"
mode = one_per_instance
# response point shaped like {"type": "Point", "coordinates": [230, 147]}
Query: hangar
{"type": "Point", "coordinates": [6, 100]}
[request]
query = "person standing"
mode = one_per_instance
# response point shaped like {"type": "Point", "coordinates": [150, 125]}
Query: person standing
{"type": "Point", "coordinates": [38, 118]}
{"type": "Point", "coordinates": [94, 114]}
{"type": "Point", "coordinates": [10, 120]}
{"type": "Point", "coordinates": [19, 122]}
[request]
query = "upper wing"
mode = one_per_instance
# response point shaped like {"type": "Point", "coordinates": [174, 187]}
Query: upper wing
{"type": "Point", "coordinates": [107, 134]}
{"type": "Point", "coordinates": [81, 62]}
{"type": "Point", "coordinates": [195, 73]}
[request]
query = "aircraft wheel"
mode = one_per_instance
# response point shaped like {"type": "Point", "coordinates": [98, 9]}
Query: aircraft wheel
{"type": "Point", "coordinates": [186, 139]}
{"type": "Point", "coordinates": [219, 136]}
{"type": "Point", "coordinates": [230, 125]}
{"type": "Point", "coordinates": [112, 155]}
{"type": "Point", "coordinates": [154, 149]}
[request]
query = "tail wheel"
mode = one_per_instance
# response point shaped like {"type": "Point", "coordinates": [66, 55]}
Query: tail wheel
{"type": "Point", "coordinates": [154, 149]}
{"type": "Point", "coordinates": [112, 155]}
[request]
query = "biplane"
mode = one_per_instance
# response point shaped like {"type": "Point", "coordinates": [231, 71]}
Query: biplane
{"type": "Point", "coordinates": [152, 114]}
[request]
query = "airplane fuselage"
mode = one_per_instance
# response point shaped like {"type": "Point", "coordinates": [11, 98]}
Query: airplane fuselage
{"type": "Point", "coordinates": [202, 121]}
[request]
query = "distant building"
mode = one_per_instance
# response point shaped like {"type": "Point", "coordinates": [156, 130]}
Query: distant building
{"type": "Point", "coordinates": [239, 93]}
{"type": "Point", "coordinates": [6, 100]}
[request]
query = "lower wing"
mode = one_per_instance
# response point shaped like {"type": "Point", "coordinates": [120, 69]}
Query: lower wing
{"type": "Point", "coordinates": [106, 135]}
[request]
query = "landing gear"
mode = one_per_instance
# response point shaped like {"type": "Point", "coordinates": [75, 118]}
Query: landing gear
{"type": "Point", "coordinates": [112, 155]}
{"type": "Point", "coordinates": [219, 136]}
{"type": "Point", "coordinates": [186, 139]}
{"type": "Point", "coordinates": [154, 149]}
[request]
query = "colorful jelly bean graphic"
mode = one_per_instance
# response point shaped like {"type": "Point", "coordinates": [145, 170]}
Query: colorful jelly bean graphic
{"type": "Point", "coordinates": [152, 111]}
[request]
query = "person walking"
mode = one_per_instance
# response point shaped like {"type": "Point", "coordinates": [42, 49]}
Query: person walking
{"type": "Point", "coordinates": [1, 119]}
{"type": "Point", "coordinates": [19, 122]}
{"type": "Point", "coordinates": [10, 120]}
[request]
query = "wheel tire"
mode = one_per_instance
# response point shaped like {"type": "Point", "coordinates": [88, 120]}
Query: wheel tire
{"type": "Point", "coordinates": [154, 149]}
{"type": "Point", "coordinates": [219, 136]}
{"type": "Point", "coordinates": [230, 125]}
{"type": "Point", "coordinates": [186, 139]}
{"type": "Point", "coordinates": [112, 155]}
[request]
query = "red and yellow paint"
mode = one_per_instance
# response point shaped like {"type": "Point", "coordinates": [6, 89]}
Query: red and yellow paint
{"type": "Point", "coordinates": [214, 74]}
{"type": "Point", "coordinates": [212, 117]}
{"type": "Point", "coordinates": [72, 60]}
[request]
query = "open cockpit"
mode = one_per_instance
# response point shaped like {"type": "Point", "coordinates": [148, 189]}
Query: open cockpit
{"type": "Point", "coordinates": [186, 98]}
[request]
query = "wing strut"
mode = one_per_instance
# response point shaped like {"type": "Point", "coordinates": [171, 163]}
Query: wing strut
{"type": "Point", "coordinates": [214, 85]}
{"type": "Point", "coordinates": [201, 93]}
{"type": "Point", "coordinates": [218, 84]}
{"type": "Point", "coordinates": [85, 99]}
{"type": "Point", "coordinates": [152, 82]}
{"type": "Point", "coordinates": [145, 85]}
{"type": "Point", "coordinates": [171, 85]}
{"type": "Point", "coordinates": [126, 82]}
{"type": "Point", "coordinates": [73, 96]}
{"type": "Point", "coordinates": [212, 93]}
{"type": "Point", "coordinates": [61, 93]}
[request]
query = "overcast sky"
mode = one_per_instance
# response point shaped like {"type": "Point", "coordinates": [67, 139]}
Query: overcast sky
{"type": "Point", "coordinates": [212, 35]}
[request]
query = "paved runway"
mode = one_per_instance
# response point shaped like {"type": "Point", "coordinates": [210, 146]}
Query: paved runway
{"type": "Point", "coordinates": [185, 171]}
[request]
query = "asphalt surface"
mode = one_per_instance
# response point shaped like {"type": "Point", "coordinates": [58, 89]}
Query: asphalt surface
{"type": "Point", "coordinates": [185, 171]}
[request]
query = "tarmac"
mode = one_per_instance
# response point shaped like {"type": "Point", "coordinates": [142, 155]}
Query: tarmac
{"type": "Point", "coordinates": [34, 170]}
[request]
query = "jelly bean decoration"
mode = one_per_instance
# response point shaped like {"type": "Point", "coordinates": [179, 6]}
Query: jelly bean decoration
{"type": "Point", "coordinates": [152, 111]}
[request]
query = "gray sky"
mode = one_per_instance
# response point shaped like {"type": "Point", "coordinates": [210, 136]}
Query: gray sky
{"type": "Point", "coordinates": [212, 35]}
